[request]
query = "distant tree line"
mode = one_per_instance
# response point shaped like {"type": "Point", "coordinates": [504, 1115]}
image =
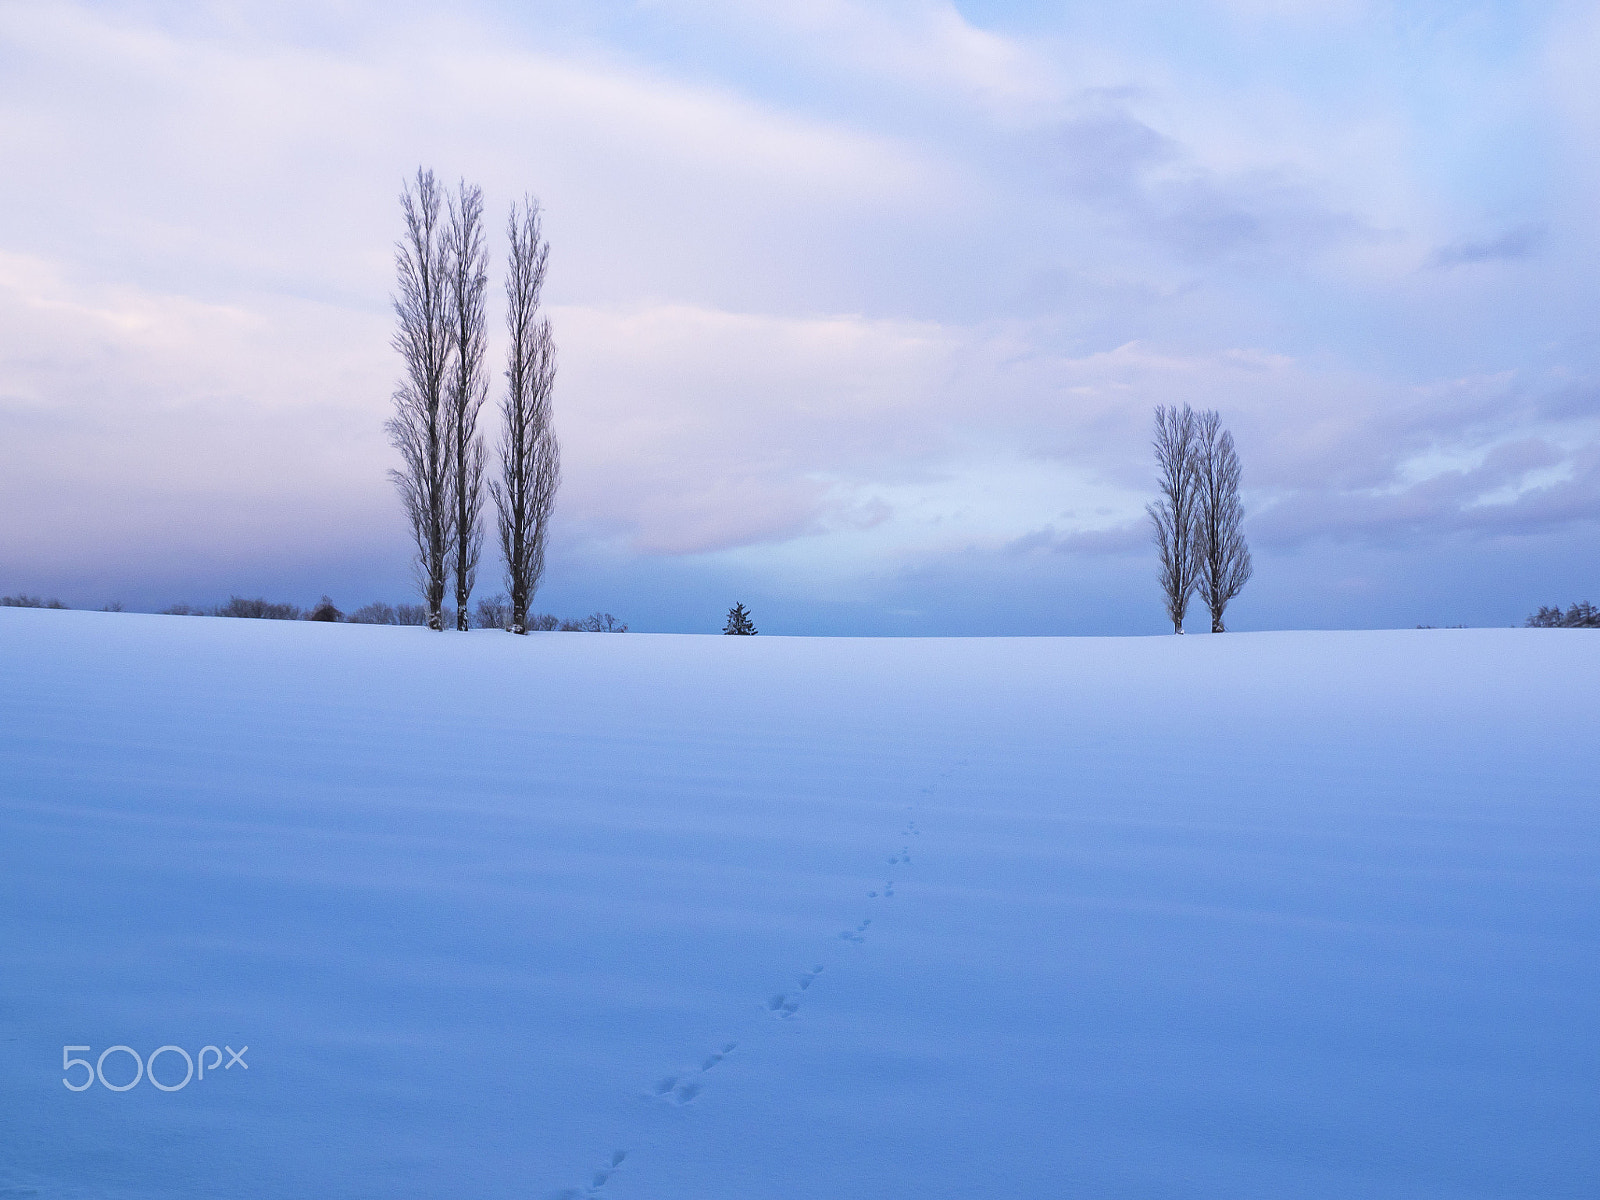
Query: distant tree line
{"type": "Point", "coordinates": [439, 304]}
{"type": "Point", "coordinates": [1582, 615]}
{"type": "Point", "coordinates": [239, 606]}
{"type": "Point", "coordinates": [493, 612]}
{"type": "Point", "coordinates": [23, 600]}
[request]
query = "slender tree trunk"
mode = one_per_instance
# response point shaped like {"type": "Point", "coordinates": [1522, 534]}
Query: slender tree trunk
{"type": "Point", "coordinates": [467, 386]}
{"type": "Point", "coordinates": [530, 458]}
{"type": "Point", "coordinates": [1174, 513]}
{"type": "Point", "coordinates": [420, 428]}
{"type": "Point", "coordinates": [1224, 558]}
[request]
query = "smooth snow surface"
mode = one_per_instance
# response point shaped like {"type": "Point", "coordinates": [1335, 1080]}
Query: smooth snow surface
{"type": "Point", "coordinates": [1262, 915]}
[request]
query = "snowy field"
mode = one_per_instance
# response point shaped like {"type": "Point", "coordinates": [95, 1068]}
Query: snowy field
{"type": "Point", "coordinates": [707, 918]}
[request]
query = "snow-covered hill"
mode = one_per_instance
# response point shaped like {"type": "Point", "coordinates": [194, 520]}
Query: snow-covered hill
{"type": "Point", "coordinates": [707, 918]}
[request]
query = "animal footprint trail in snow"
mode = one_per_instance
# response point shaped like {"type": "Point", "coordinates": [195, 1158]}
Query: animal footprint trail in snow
{"type": "Point", "coordinates": [684, 1087]}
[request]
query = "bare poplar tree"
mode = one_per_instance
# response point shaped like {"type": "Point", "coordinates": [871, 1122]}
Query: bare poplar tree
{"type": "Point", "coordinates": [420, 428]}
{"type": "Point", "coordinates": [530, 459]}
{"type": "Point", "coordinates": [1176, 446]}
{"type": "Point", "coordinates": [1224, 558]}
{"type": "Point", "coordinates": [468, 267]}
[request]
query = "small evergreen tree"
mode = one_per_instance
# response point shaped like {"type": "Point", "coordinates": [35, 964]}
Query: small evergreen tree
{"type": "Point", "coordinates": [738, 621]}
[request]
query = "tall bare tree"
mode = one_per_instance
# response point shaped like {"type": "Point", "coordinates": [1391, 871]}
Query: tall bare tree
{"type": "Point", "coordinates": [1224, 558]}
{"type": "Point", "coordinates": [1176, 445]}
{"type": "Point", "coordinates": [466, 386]}
{"type": "Point", "coordinates": [420, 427]}
{"type": "Point", "coordinates": [530, 459]}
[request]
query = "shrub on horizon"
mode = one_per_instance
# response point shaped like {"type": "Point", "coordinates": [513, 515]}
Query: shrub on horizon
{"type": "Point", "coordinates": [379, 613]}
{"type": "Point", "coordinates": [258, 609]}
{"type": "Point", "coordinates": [23, 600]}
{"type": "Point", "coordinates": [594, 623]}
{"type": "Point", "coordinates": [410, 614]}
{"type": "Point", "coordinates": [493, 613]}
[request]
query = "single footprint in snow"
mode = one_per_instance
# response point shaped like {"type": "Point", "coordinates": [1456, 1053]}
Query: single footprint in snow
{"type": "Point", "coordinates": [781, 1006]}
{"type": "Point", "coordinates": [666, 1085]}
{"type": "Point", "coordinates": [810, 977]}
{"type": "Point", "coordinates": [686, 1093]}
{"type": "Point", "coordinates": [714, 1059]}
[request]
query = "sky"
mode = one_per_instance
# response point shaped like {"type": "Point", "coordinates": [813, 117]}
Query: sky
{"type": "Point", "coordinates": [862, 308]}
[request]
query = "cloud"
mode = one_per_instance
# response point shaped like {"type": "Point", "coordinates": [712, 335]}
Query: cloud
{"type": "Point", "coordinates": [927, 45]}
{"type": "Point", "coordinates": [1520, 488]}
{"type": "Point", "coordinates": [211, 162]}
{"type": "Point", "coordinates": [1518, 242]}
{"type": "Point", "coordinates": [143, 427]}
{"type": "Point", "coordinates": [1154, 188]}
{"type": "Point", "coordinates": [1126, 538]}
{"type": "Point", "coordinates": [1318, 11]}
